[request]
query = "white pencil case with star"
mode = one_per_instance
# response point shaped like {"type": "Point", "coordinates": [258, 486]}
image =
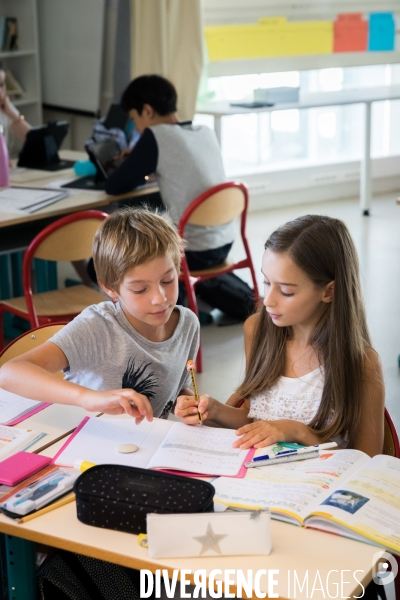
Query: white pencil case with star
{"type": "Point", "coordinates": [209, 534]}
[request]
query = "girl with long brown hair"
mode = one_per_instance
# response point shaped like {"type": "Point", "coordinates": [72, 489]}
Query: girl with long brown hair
{"type": "Point", "coordinates": [312, 374]}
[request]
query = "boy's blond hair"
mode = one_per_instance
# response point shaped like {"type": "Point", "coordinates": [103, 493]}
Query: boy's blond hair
{"type": "Point", "coordinates": [132, 237]}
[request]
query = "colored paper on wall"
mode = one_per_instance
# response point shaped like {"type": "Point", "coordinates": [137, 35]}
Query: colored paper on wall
{"type": "Point", "coordinates": [270, 37]}
{"type": "Point", "coordinates": [350, 33]}
{"type": "Point", "coordinates": [382, 29]}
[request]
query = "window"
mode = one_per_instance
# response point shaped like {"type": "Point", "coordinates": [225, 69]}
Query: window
{"type": "Point", "coordinates": [260, 142]}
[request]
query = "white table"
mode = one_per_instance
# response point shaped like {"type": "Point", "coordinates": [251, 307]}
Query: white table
{"type": "Point", "coordinates": [364, 96]}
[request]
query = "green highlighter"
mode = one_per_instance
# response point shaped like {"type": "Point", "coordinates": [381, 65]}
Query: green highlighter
{"type": "Point", "coordinates": [290, 445]}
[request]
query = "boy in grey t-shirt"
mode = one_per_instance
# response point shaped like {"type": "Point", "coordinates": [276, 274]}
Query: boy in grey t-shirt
{"type": "Point", "coordinates": [128, 354]}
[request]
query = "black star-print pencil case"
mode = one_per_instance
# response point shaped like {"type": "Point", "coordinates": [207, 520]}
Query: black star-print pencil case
{"type": "Point", "coordinates": [119, 497]}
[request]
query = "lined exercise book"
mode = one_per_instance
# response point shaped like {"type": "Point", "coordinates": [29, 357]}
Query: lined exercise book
{"type": "Point", "coordinates": [162, 445]}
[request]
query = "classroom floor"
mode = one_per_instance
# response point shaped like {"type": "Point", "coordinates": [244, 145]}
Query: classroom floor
{"type": "Point", "coordinates": [377, 239]}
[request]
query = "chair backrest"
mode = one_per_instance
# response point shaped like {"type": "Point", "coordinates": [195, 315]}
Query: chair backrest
{"type": "Point", "coordinates": [28, 341]}
{"type": "Point", "coordinates": [217, 205]}
{"type": "Point", "coordinates": [391, 443]}
{"type": "Point", "coordinates": [68, 239]}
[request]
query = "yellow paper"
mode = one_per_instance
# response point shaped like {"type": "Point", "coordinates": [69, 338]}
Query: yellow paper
{"type": "Point", "coordinates": [270, 37]}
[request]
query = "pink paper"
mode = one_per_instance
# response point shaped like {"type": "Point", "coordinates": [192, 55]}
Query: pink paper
{"type": "Point", "coordinates": [26, 415]}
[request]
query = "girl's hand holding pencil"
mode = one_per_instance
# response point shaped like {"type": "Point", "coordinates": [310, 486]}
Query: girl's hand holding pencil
{"type": "Point", "coordinates": [188, 409]}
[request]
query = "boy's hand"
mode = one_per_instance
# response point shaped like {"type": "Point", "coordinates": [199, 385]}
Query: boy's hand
{"type": "Point", "coordinates": [187, 408]}
{"type": "Point", "coordinates": [123, 154]}
{"type": "Point", "coordinates": [264, 433]}
{"type": "Point", "coordinates": [117, 402]}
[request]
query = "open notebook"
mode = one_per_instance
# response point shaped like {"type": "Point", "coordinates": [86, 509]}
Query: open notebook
{"type": "Point", "coordinates": [162, 445]}
{"type": "Point", "coordinates": [342, 491]}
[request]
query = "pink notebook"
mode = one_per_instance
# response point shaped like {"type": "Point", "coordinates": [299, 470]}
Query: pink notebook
{"type": "Point", "coordinates": [28, 414]}
{"type": "Point", "coordinates": [17, 467]}
{"type": "Point", "coordinates": [15, 408]}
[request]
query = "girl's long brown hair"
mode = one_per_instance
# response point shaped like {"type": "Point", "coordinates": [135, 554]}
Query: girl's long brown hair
{"type": "Point", "coordinates": [322, 247]}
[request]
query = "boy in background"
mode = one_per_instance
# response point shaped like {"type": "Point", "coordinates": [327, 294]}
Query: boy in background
{"type": "Point", "coordinates": [128, 354]}
{"type": "Point", "coordinates": [185, 158]}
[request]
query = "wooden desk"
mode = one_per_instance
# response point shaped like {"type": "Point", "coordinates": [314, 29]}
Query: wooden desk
{"type": "Point", "coordinates": [17, 230]}
{"type": "Point", "coordinates": [295, 549]}
{"type": "Point", "coordinates": [365, 96]}
{"type": "Point", "coordinates": [23, 175]}
{"type": "Point", "coordinates": [19, 559]}
{"type": "Point", "coordinates": [78, 200]}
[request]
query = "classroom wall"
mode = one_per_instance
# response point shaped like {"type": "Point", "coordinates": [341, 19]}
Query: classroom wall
{"type": "Point", "coordinates": [272, 189]}
{"type": "Point", "coordinates": [80, 125]}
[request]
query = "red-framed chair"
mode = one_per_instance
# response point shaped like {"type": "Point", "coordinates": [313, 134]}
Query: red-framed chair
{"type": "Point", "coordinates": [391, 447]}
{"type": "Point", "coordinates": [217, 206]}
{"type": "Point", "coordinates": [68, 239]}
{"type": "Point", "coordinates": [391, 442]}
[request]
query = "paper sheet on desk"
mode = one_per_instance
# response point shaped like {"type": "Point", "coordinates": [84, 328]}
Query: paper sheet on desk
{"type": "Point", "coordinates": [27, 200]}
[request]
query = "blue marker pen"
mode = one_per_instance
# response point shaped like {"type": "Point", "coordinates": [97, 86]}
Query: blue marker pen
{"type": "Point", "coordinates": [268, 456]}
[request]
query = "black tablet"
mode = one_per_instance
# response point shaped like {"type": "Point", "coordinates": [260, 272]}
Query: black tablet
{"type": "Point", "coordinates": [42, 143]}
{"type": "Point", "coordinates": [103, 155]}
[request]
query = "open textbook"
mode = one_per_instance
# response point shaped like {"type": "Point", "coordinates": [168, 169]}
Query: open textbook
{"type": "Point", "coordinates": [343, 491]}
{"type": "Point", "coordinates": [162, 445]}
{"type": "Point", "coordinates": [13, 439]}
{"type": "Point", "coordinates": [14, 408]}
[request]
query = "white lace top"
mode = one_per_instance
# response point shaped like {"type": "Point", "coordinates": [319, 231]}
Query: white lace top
{"type": "Point", "coordinates": [290, 398]}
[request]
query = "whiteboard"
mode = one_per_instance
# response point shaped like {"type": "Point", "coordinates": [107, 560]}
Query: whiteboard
{"type": "Point", "coordinates": [71, 34]}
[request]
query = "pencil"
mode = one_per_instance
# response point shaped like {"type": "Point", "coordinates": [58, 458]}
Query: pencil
{"type": "Point", "coordinates": [191, 367]}
{"type": "Point", "coordinates": [46, 509]}
{"type": "Point", "coordinates": [57, 439]}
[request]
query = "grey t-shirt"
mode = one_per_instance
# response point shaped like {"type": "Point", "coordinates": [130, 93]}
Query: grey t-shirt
{"type": "Point", "coordinates": [189, 163]}
{"type": "Point", "coordinates": [105, 352]}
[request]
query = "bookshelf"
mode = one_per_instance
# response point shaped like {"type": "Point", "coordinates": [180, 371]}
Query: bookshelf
{"type": "Point", "coordinates": [24, 62]}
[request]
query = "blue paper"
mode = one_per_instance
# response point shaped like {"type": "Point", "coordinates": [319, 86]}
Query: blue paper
{"type": "Point", "coordinates": [382, 31]}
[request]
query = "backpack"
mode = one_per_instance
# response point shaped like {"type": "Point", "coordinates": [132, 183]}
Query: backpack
{"type": "Point", "coordinates": [68, 576]}
{"type": "Point", "coordinates": [229, 293]}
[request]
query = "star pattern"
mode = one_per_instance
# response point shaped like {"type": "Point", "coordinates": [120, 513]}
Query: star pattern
{"type": "Point", "coordinates": [209, 541]}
